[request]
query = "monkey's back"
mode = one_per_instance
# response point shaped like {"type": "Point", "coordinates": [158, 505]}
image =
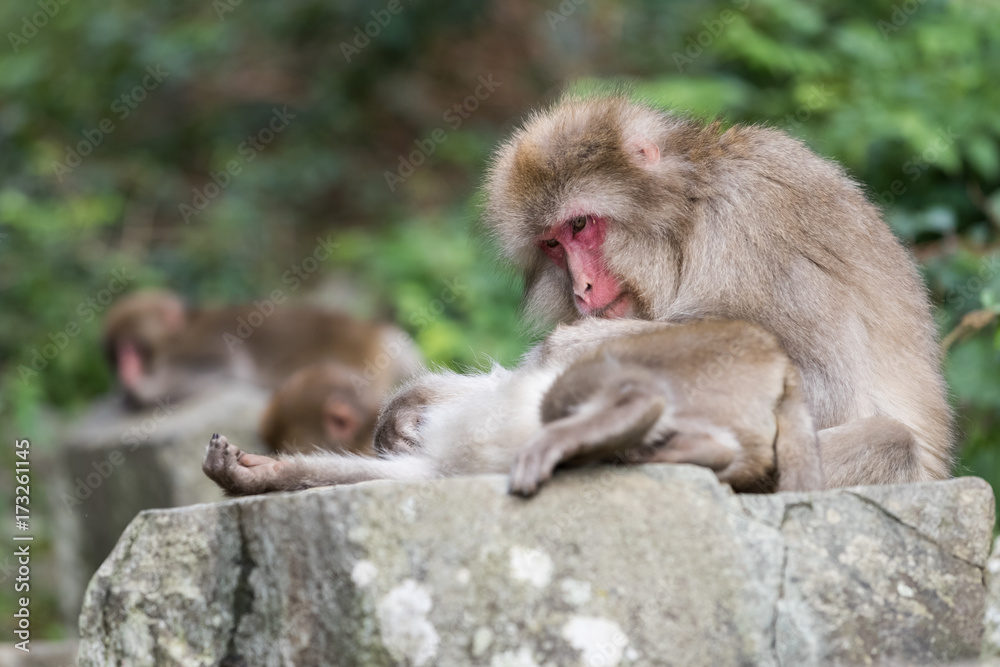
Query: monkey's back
{"type": "Point", "coordinates": [829, 276]}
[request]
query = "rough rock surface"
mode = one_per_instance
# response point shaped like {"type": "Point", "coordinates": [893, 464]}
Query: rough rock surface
{"type": "Point", "coordinates": [991, 621]}
{"type": "Point", "coordinates": [609, 566]}
{"type": "Point", "coordinates": [115, 463]}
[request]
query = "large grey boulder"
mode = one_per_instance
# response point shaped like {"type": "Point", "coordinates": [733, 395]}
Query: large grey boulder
{"type": "Point", "coordinates": [991, 634]}
{"type": "Point", "coordinates": [114, 463]}
{"type": "Point", "coordinates": [609, 566]}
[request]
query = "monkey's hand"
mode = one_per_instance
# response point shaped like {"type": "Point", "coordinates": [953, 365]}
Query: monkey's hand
{"type": "Point", "coordinates": [239, 473]}
{"type": "Point", "coordinates": [534, 465]}
{"type": "Point", "coordinates": [583, 438]}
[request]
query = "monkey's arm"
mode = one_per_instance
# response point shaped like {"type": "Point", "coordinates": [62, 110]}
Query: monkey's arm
{"type": "Point", "coordinates": [569, 341]}
{"type": "Point", "coordinates": [590, 436]}
{"type": "Point", "coordinates": [241, 474]}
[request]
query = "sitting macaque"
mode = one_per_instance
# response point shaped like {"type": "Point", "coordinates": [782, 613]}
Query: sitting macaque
{"type": "Point", "coordinates": [610, 207]}
{"type": "Point", "coordinates": [161, 349]}
{"type": "Point", "coordinates": [720, 394]}
{"type": "Point", "coordinates": [324, 406]}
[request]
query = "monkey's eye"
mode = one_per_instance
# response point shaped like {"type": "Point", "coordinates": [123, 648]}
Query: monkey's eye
{"type": "Point", "coordinates": [578, 223]}
{"type": "Point", "coordinates": [552, 243]}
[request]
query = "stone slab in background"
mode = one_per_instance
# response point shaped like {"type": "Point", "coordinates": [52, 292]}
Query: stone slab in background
{"type": "Point", "coordinates": [42, 654]}
{"type": "Point", "coordinates": [610, 566]}
{"type": "Point", "coordinates": [115, 463]}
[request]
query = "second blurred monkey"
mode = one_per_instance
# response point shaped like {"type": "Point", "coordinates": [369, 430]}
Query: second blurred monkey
{"type": "Point", "coordinates": [160, 349]}
{"type": "Point", "coordinates": [327, 406]}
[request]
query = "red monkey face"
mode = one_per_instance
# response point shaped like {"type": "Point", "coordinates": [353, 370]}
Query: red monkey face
{"type": "Point", "coordinates": [589, 200]}
{"type": "Point", "coordinates": [576, 246]}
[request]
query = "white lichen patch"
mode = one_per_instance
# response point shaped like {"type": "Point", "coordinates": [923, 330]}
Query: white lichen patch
{"type": "Point", "coordinates": [406, 632]}
{"type": "Point", "coordinates": [531, 565]}
{"type": "Point", "coordinates": [463, 576]}
{"type": "Point", "coordinates": [904, 590]}
{"type": "Point", "coordinates": [600, 641]}
{"type": "Point", "coordinates": [363, 573]}
{"type": "Point", "coordinates": [358, 534]}
{"type": "Point", "coordinates": [481, 641]}
{"type": "Point", "coordinates": [521, 658]}
{"type": "Point", "coordinates": [409, 509]}
{"type": "Point", "coordinates": [575, 592]}
{"type": "Point", "coordinates": [832, 516]}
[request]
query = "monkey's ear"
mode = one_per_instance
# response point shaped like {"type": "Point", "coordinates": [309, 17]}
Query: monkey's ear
{"type": "Point", "coordinates": [340, 420]}
{"type": "Point", "coordinates": [175, 315]}
{"type": "Point", "coordinates": [643, 151]}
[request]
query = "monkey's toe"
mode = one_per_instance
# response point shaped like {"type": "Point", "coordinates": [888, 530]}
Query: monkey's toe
{"type": "Point", "coordinates": [220, 458]}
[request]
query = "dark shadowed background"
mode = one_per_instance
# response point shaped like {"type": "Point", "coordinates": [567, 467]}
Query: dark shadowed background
{"type": "Point", "coordinates": [228, 149]}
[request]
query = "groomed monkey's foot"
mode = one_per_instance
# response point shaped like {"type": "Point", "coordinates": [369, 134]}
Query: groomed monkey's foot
{"type": "Point", "coordinates": [533, 466]}
{"type": "Point", "coordinates": [239, 473]}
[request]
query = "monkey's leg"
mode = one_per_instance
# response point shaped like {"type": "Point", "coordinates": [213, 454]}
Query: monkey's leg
{"type": "Point", "coordinates": [594, 435]}
{"type": "Point", "coordinates": [876, 450]}
{"type": "Point", "coordinates": [240, 473]}
{"type": "Point", "coordinates": [695, 447]}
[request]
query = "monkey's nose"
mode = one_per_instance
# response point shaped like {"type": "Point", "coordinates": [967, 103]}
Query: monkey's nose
{"type": "Point", "coordinates": [582, 291]}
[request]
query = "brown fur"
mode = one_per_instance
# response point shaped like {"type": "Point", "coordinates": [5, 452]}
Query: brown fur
{"type": "Point", "coordinates": [742, 224]}
{"type": "Point", "coordinates": [323, 406]}
{"type": "Point", "coordinates": [718, 394]}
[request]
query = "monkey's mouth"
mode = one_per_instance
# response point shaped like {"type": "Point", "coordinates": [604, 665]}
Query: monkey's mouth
{"type": "Point", "coordinates": [616, 308]}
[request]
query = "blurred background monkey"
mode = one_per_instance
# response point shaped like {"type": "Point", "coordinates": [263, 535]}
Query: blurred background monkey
{"type": "Point", "coordinates": [324, 406]}
{"type": "Point", "coordinates": [330, 370]}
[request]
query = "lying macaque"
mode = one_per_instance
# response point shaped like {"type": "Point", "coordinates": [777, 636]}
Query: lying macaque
{"type": "Point", "coordinates": [719, 394]}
